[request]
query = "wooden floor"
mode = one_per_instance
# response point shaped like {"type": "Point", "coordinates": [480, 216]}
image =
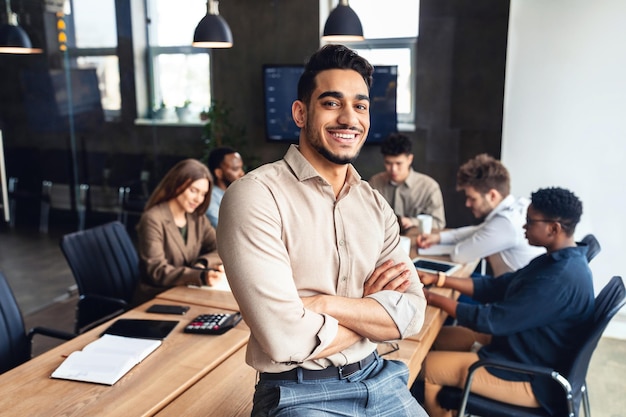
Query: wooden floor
{"type": "Point", "coordinates": [34, 266]}
{"type": "Point", "coordinates": [42, 283]}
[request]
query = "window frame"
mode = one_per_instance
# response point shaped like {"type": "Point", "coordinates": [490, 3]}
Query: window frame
{"type": "Point", "coordinates": [406, 121]}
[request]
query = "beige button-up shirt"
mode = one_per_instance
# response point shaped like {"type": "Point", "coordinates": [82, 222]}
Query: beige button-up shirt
{"type": "Point", "coordinates": [283, 235]}
{"type": "Point", "coordinates": [418, 194]}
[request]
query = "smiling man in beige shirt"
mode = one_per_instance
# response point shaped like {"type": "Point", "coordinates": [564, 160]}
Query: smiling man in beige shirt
{"type": "Point", "coordinates": [313, 258]}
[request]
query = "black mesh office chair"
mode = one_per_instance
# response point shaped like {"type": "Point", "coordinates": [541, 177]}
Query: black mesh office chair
{"type": "Point", "coordinates": [15, 342]}
{"type": "Point", "coordinates": [607, 304]}
{"type": "Point", "coordinates": [593, 246]}
{"type": "Point", "coordinates": [105, 265]}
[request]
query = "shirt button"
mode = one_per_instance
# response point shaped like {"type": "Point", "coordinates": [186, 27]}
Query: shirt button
{"type": "Point", "coordinates": [344, 279]}
{"type": "Point", "coordinates": [341, 242]}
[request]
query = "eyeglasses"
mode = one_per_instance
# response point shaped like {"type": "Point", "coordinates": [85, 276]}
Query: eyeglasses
{"type": "Point", "coordinates": [531, 221]}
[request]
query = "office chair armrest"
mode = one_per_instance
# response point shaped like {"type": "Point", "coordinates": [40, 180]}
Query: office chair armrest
{"type": "Point", "coordinates": [116, 302]}
{"type": "Point", "coordinates": [46, 331]}
{"type": "Point", "coordinates": [513, 367]}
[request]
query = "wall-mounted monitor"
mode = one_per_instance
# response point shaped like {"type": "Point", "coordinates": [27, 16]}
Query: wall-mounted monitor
{"type": "Point", "coordinates": [280, 84]}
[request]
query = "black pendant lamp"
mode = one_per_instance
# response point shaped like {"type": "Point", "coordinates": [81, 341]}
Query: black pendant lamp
{"type": "Point", "coordinates": [14, 39]}
{"type": "Point", "coordinates": [343, 25]}
{"type": "Point", "coordinates": [212, 31]}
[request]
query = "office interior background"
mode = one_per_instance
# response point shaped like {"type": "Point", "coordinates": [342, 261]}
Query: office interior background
{"type": "Point", "coordinates": [536, 83]}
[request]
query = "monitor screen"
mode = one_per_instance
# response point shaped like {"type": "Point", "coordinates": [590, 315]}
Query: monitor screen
{"type": "Point", "coordinates": [280, 84]}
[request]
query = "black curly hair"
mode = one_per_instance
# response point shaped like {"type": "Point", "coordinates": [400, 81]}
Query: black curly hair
{"type": "Point", "coordinates": [559, 204]}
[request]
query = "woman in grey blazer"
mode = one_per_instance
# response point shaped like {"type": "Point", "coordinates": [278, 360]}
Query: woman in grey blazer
{"type": "Point", "coordinates": [177, 244]}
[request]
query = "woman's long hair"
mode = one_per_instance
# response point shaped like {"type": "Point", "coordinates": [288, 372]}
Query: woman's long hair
{"type": "Point", "coordinates": [177, 180]}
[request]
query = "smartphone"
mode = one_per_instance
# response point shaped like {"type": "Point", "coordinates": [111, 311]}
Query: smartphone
{"type": "Point", "coordinates": [167, 309]}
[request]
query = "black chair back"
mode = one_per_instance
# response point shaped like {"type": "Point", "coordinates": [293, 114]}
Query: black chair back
{"type": "Point", "coordinates": [593, 246]}
{"type": "Point", "coordinates": [105, 265]}
{"type": "Point", "coordinates": [608, 302]}
{"type": "Point", "coordinates": [14, 344]}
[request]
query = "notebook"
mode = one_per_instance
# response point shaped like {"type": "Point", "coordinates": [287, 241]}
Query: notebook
{"type": "Point", "coordinates": [105, 360]}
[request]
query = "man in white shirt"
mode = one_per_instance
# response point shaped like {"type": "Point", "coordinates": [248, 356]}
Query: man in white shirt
{"type": "Point", "coordinates": [500, 237]}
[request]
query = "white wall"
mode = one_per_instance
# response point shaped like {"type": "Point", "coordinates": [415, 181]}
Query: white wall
{"type": "Point", "coordinates": [565, 116]}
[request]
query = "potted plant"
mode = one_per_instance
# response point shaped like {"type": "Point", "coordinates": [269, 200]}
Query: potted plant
{"type": "Point", "coordinates": [220, 130]}
{"type": "Point", "coordinates": [160, 112]}
{"type": "Point", "coordinates": [183, 113]}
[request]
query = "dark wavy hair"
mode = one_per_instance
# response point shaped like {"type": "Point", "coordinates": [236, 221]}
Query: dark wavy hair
{"type": "Point", "coordinates": [332, 57]}
{"type": "Point", "coordinates": [396, 144]}
{"type": "Point", "coordinates": [177, 180]}
{"type": "Point", "coordinates": [483, 173]}
{"type": "Point", "coordinates": [560, 205]}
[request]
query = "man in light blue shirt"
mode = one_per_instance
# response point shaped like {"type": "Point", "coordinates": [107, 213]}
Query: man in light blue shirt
{"type": "Point", "coordinates": [226, 166]}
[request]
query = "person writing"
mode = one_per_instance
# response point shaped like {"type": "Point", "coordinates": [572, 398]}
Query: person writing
{"type": "Point", "coordinates": [176, 243]}
{"type": "Point", "coordinates": [534, 315]}
{"type": "Point", "coordinates": [226, 166]}
{"type": "Point", "coordinates": [409, 193]}
{"type": "Point", "coordinates": [500, 237]}
{"type": "Point", "coordinates": [313, 257]}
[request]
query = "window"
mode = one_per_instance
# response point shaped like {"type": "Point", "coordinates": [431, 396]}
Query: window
{"type": "Point", "coordinates": [92, 44]}
{"type": "Point", "coordinates": [390, 31]}
{"type": "Point", "coordinates": [180, 73]}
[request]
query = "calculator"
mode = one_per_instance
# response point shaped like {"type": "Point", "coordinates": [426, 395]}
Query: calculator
{"type": "Point", "coordinates": [213, 323]}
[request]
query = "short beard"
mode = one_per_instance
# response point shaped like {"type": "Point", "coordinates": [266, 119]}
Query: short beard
{"type": "Point", "coordinates": [335, 159]}
{"type": "Point", "coordinates": [331, 157]}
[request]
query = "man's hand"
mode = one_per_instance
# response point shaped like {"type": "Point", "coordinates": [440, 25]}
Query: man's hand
{"type": "Point", "coordinates": [214, 277]}
{"type": "Point", "coordinates": [388, 277]}
{"type": "Point", "coordinates": [405, 222]}
{"type": "Point", "coordinates": [427, 278]}
{"type": "Point", "coordinates": [426, 240]}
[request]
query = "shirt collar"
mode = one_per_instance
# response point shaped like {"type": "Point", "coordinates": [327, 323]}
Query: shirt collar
{"type": "Point", "coordinates": [570, 252]}
{"type": "Point", "coordinates": [504, 204]}
{"type": "Point", "coordinates": [303, 170]}
{"type": "Point", "coordinates": [409, 182]}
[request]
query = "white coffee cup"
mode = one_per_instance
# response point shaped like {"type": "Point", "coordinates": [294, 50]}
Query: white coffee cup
{"type": "Point", "coordinates": [405, 243]}
{"type": "Point", "coordinates": [426, 223]}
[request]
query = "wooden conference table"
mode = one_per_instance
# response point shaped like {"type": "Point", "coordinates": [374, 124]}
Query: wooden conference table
{"type": "Point", "coordinates": [190, 375]}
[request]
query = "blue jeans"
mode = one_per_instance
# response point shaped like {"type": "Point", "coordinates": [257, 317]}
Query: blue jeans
{"type": "Point", "coordinates": [378, 390]}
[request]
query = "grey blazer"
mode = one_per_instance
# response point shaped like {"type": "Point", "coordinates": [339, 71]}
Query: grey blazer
{"type": "Point", "coordinates": [165, 259]}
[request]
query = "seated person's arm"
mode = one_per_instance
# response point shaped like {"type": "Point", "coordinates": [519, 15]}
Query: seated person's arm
{"type": "Point", "coordinates": [157, 267]}
{"type": "Point", "coordinates": [491, 237]}
{"type": "Point", "coordinates": [208, 258]}
{"type": "Point", "coordinates": [447, 304]}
